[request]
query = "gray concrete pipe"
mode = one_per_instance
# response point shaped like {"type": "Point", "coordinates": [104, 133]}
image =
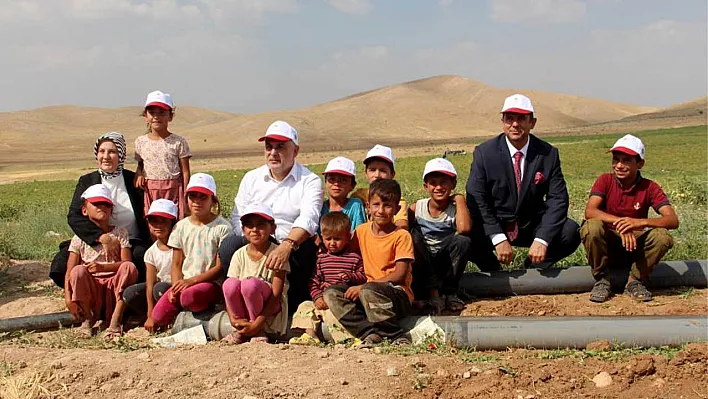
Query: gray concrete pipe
{"type": "Point", "coordinates": [578, 279]}
{"type": "Point", "coordinates": [526, 332]}
{"type": "Point", "coordinates": [38, 323]}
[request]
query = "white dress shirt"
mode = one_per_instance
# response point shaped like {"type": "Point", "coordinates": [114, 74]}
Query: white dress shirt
{"type": "Point", "coordinates": [497, 238]}
{"type": "Point", "coordinates": [296, 200]}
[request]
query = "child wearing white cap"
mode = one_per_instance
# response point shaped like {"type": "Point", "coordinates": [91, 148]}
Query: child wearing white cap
{"type": "Point", "coordinates": [617, 230]}
{"type": "Point", "coordinates": [95, 282]}
{"type": "Point", "coordinates": [195, 240]}
{"type": "Point", "coordinates": [163, 157]}
{"type": "Point", "coordinates": [340, 180]}
{"type": "Point", "coordinates": [161, 218]}
{"type": "Point", "coordinates": [439, 227]}
{"type": "Point", "coordinates": [379, 164]}
{"type": "Point", "coordinates": [256, 296]}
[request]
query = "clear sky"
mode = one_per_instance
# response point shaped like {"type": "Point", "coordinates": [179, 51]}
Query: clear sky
{"type": "Point", "coordinates": [256, 55]}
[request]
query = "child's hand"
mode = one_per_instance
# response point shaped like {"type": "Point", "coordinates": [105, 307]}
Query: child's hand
{"type": "Point", "coordinates": [94, 267]}
{"type": "Point", "coordinates": [344, 277]}
{"type": "Point", "coordinates": [172, 297]}
{"type": "Point", "coordinates": [320, 304]}
{"type": "Point", "coordinates": [149, 325]}
{"type": "Point", "coordinates": [353, 292]}
{"type": "Point", "coordinates": [111, 247]}
{"type": "Point", "coordinates": [140, 182]}
{"type": "Point", "coordinates": [249, 328]}
{"type": "Point", "coordinates": [182, 285]}
{"type": "Point", "coordinates": [73, 308]}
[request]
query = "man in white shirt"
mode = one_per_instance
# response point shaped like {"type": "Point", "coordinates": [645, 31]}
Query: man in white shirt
{"type": "Point", "coordinates": [517, 195]}
{"type": "Point", "coordinates": [294, 194]}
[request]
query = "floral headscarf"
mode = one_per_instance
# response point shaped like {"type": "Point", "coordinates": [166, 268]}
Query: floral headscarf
{"type": "Point", "coordinates": [119, 141]}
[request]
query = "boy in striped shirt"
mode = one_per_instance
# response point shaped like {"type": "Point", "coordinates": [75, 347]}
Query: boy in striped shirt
{"type": "Point", "coordinates": [334, 267]}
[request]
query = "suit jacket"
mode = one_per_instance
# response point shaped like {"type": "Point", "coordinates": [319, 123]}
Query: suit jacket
{"type": "Point", "coordinates": [491, 189]}
{"type": "Point", "coordinates": [84, 228]}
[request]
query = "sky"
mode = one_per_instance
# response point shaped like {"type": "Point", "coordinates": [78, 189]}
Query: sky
{"type": "Point", "coordinates": [250, 56]}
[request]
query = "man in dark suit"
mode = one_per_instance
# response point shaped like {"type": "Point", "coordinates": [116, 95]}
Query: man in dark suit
{"type": "Point", "coordinates": [517, 195]}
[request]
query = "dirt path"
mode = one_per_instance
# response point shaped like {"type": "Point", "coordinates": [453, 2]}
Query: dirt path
{"type": "Point", "coordinates": [62, 364]}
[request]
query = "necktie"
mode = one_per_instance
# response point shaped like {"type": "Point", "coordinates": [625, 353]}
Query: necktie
{"type": "Point", "coordinates": [517, 169]}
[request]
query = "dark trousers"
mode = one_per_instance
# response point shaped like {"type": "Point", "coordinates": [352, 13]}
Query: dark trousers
{"type": "Point", "coordinates": [565, 243]}
{"type": "Point", "coordinates": [57, 269]}
{"type": "Point", "coordinates": [378, 309]}
{"type": "Point", "coordinates": [441, 270]}
{"type": "Point", "coordinates": [604, 248]}
{"type": "Point", "coordinates": [135, 296]}
{"type": "Point", "coordinates": [302, 266]}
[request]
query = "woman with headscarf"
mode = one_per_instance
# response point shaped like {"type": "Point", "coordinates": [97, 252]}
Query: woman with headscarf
{"type": "Point", "coordinates": [110, 152]}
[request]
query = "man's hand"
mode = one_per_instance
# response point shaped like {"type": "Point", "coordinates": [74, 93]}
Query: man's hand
{"type": "Point", "coordinates": [111, 246]}
{"type": "Point", "coordinates": [94, 267]}
{"type": "Point", "coordinates": [353, 292]}
{"type": "Point", "coordinates": [628, 225]}
{"type": "Point", "coordinates": [629, 241]}
{"type": "Point", "coordinates": [320, 304]}
{"type": "Point", "coordinates": [505, 253]}
{"type": "Point", "coordinates": [279, 257]}
{"type": "Point", "coordinates": [537, 252]}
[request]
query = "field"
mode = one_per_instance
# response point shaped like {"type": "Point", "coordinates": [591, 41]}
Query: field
{"type": "Point", "coordinates": [61, 364]}
{"type": "Point", "coordinates": [33, 215]}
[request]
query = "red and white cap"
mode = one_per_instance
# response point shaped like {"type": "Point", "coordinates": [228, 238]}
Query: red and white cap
{"type": "Point", "coordinates": [518, 104]}
{"type": "Point", "coordinates": [159, 99]}
{"type": "Point", "coordinates": [262, 210]}
{"type": "Point", "coordinates": [202, 183]}
{"type": "Point", "coordinates": [164, 208]}
{"type": "Point", "coordinates": [439, 165]}
{"type": "Point", "coordinates": [341, 166]}
{"type": "Point", "coordinates": [380, 151]}
{"type": "Point", "coordinates": [629, 144]}
{"type": "Point", "coordinates": [97, 193]}
{"type": "Point", "coordinates": [280, 131]}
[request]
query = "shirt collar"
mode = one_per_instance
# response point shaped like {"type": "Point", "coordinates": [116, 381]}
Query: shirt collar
{"type": "Point", "coordinates": [513, 150]}
{"type": "Point", "coordinates": [295, 173]}
{"type": "Point", "coordinates": [630, 188]}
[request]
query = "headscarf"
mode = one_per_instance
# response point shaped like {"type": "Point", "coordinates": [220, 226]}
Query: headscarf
{"type": "Point", "coordinates": [119, 141]}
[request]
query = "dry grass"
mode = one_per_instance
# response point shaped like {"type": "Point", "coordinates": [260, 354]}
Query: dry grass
{"type": "Point", "coordinates": [31, 385]}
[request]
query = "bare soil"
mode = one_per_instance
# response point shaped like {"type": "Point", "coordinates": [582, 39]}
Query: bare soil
{"type": "Point", "coordinates": [62, 364]}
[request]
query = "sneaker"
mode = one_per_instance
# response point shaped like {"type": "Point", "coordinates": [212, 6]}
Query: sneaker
{"type": "Point", "coordinates": [371, 340]}
{"type": "Point", "coordinates": [601, 291]}
{"type": "Point", "coordinates": [304, 339]}
{"type": "Point", "coordinates": [637, 291]}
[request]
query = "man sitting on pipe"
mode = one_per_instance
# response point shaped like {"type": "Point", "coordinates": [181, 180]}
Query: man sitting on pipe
{"type": "Point", "coordinates": [617, 230]}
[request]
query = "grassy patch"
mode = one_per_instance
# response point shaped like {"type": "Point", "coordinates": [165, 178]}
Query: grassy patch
{"type": "Point", "coordinates": [615, 354]}
{"type": "Point", "coordinates": [67, 338]}
{"type": "Point", "coordinates": [33, 215]}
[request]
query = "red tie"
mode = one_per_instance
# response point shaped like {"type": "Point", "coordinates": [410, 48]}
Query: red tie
{"type": "Point", "coordinates": [517, 169]}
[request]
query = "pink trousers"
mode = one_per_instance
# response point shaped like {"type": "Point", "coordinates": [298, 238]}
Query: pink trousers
{"type": "Point", "coordinates": [101, 293]}
{"type": "Point", "coordinates": [172, 190]}
{"type": "Point", "coordinates": [245, 299]}
{"type": "Point", "coordinates": [196, 298]}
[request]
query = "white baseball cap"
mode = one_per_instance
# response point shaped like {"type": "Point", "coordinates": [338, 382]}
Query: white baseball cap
{"type": "Point", "coordinates": [281, 131]}
{"type": "Point", "coordinates": [159, 99]}
{"type": "Point", "coordinates": [341, 166]}
{"type": "Point", "coordinates": [439, 165]}
{"type": "Point", "coordinates": [380, 151]}
{"type": "Point", "coordinates": [164, 208]}
{"type": "Point", "coordinates": [629, 145]}
{"type": "Point", "coordinates": [97, 193]}
{"type": "Point", "coordinates": [258, 209]}
{"type": "Point", "coordinates": [202, 183]}
{"type": "Point", "coordinates": [517, 103]}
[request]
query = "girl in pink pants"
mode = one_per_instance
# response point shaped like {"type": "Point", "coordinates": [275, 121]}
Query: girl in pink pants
{"type": "Point", "coordinates": [255, 295]}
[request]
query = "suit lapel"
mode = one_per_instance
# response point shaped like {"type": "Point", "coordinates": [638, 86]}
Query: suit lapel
{"type": "Point", "coordinates": [529, 168]}
{"type": "Point", "coordinates": [507, 166]}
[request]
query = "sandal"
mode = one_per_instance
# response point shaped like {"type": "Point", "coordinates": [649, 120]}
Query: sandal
{"type": "Point", "coordinates": [454, 303]}
{"type": "Point", "coordinates": [637, 291]}
{"type": "Point", "coordinates": [233, 338]}
{"type": "Point", "coordinates": [403, 340]}
{"type": "Point", "coordinates": [370, 341]}
{"type": "Point", "coordinates": [304, 339]}
{"type": "Point", "coordinates": [601, 291]}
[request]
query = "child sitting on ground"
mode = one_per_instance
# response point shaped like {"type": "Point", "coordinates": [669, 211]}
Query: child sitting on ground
{"type": "Point", "coordinates": [340, 180]}
{"type": "Point", "coordinates": [256, 297]}
{"type": "Point", "coordinates": [95, 283]}
{"type": "Point", "coordinates": [163, 157]}
{"type": "Point", "coordinates": [336, 266]}
{"type": "Point", "coordinates": [195, 273]}
{"type": "Point", "coordinates": [437, 225]}
{"type": "Point", "coordinates": [371, 311]}
{"type": "Point", "coordinates": [161, 218]}
{"type": "Point", "coordinates": [379, 164]}
{"type": "Point", "coordinates": [617, 230]}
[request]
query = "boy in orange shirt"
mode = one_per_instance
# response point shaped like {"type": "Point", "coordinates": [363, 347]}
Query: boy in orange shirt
{"type": "Point", "coordinates": [371, 311]}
